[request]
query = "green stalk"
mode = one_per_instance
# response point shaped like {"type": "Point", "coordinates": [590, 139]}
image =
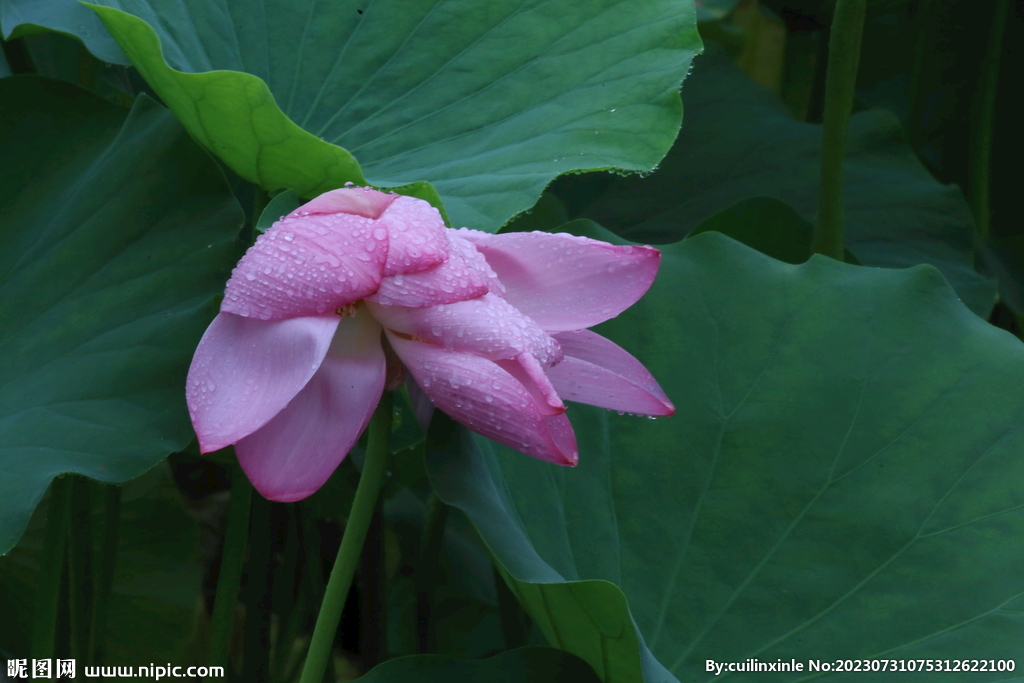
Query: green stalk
{"type": "Point", "coordinates": [916, 94]}
{"type": "Point", "coordinates": [105, 571]}
{"type": "Point", "coordinates": [983, 124]}
{"type": "Point", "coordinates": [431, 542]}
{"type": "Point", "coordinates": [372, 594]}
{"type": "Point", "coordinates": [843, 60]}
{"type": "Point", "coordinates": [515, 623]}
{"type": "Point", "coordinates": [351, 544]}
{"type": "Point", "coordinates": [257, 594]}
{"type": "Point", "coordinates": [287, 591]}
{"type": "Point", "coordinates": [230, 576]}
{"type": "Point", "coordinates": [51, 569]}
{"type": "Point", "coordinates": [80, 565]}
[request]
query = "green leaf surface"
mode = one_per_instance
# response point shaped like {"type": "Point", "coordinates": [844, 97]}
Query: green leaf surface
{"type": "Point", "coordinates": [739, 142]}
{"type": "Point", "coordinates": [842, 479]}
{"type": "Point", "coordinates": [523, 665]}
{"type": "Point", "coordinates": [24, 17]}
{"type": "Point", "coordinates": [117, 233]}
{"type": "Point", "coordinates": [488, 100]}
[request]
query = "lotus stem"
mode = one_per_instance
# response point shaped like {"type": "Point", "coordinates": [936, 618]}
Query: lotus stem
{"type": "Point", "coordinates": [230, 577]}
{"type": "Point", "coordinates": [843, 60]}
{"type": "Point", "coordinates": [51, 570]}
{"type": "Point", "coordinates": [983, 124]}
{"type": "Point", "coordinates": [105, 570]}
{"type": "Point", "coordinates": [431, 541]}
{"type": "Point", "coordinates": [363, 506]}
{"type": "Point", "coordinates": [80, 564]}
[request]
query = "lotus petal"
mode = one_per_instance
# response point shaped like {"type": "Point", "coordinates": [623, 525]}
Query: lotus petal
{"type": "Point", "coordinates": [598, 372]}
{"type": "Point", "coordinates": [564, 282]}
{"type": "Point", "coordinates": [246, 370]}
{"type": "Point", "coordinates": [308, 265]}
{"type": "Point", "coordinates": [487, 399]}
{"type": "Point", "coordinates": [488, 326]}
{"type": "Point", "coordinates": [296, 452]}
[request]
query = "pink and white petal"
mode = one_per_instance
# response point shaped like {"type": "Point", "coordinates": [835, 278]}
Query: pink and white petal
{"type": "Point", "coordinates": [566, 282]}
{"type": "Point", "coordinates": [487, 326]}
{"type": "Point", "coordinates": [529, 372]}
{"type": "Point", "coordinates": [308, 265]}
{"type": "Point", "coordinates": [361, 201]}
{"type": "Point", "coordinates": [458, 278]}
{"type": "Point", "coordinates": [296, 452]}
{"type": "Point", "coordinates": [245, 371]}
{"type": "Point", "coordinates": [598, 372]}
{"type": "Point", "coordinates": [485, 398]}
{"type": "Point", "coordinates": [419, 238]}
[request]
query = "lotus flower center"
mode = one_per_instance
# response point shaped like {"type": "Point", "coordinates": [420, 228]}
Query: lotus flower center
{"type": "Point", "coordinates": [348, 310]}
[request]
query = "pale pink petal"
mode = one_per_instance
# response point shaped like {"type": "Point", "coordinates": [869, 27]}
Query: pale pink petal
{"type": "Point", "coordinates": [296, 452]}
{"type": "Point", "coordinates": [598, 372]}
{"type": "Point", "coordinates": [460, 277]}
{"type": "Point", "coordinates": [482, 396]}
{"type": "Point", "coordinates": [308, 265]}
{"type": "Point", "coordinates": [530, 374]}
{"type": "Point", "coordinates": [419, 238]}
{"type": "Point", "coordinates": [566, 282]}
{"type": "Point", "coordinates": [245, 371]}
{"type": "Point", "coordinates": [488, 326]}
{"type": "Point", "coordinates": [361, 201]}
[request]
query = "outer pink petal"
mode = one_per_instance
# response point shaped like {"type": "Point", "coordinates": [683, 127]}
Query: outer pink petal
{"type": "Point", "coordinates": [487, 326]}
{"type": "Point", "coordinates": [530, 374]}
{"type": "Point", "coordinates": [460, 277]}
{"type": "Point", "coordinates": [419, 238]}
{"type": "Point", "coordinates": [566, 282]}
{"type": "Point", "coordinates": [296, 452]}
{"type": "Point", "coordinates": [600, 373]}
{"type": "Point", "coordinates": [245, 371]}
{"type": "Point", "coordinates": [487, 399]}
{"type": "Point", "coordinates": [308, 265]}
{"type": "Point", "coordinates": [361, 201]}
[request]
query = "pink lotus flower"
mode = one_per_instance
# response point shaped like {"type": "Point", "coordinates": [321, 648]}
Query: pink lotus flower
{"type": "Point", "coordinates": [492, 328]}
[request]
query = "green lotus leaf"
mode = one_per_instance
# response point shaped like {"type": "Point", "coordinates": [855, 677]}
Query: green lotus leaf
{"type": "Point", "coordinates": [486, 100]}
{"type": "Point", "coordinates": [118, 232]}
{"type": "Point", "coordinates": [842, 479]}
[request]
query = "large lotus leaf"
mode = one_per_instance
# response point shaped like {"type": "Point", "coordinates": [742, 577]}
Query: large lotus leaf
{"type": "Point", "coordinates": [116, 234]}
{"type": "Point", "coordinates": [740, 142]}
{"type": "Point", "coordinates": [24, 17]}
{"type": "Point", "coordinates": [842, 479]}
{"type": "Point", "coordinates": [523, 665]}
{"type": "Point", "coordinates": [486, 99]}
